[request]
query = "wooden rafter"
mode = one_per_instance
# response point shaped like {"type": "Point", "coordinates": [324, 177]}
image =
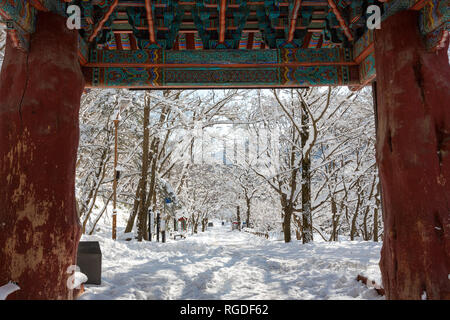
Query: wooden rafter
{"type": "Point", "coordinates": [295, 10]}
{"type": "Point", "coordinates": [211, 5]}
{"type": "Point", "coordinates": [341, 20]}
{"type": "Point", "coordinates": [306, 40]}
{"type": "Point", "coordinates": [103, 21]}
{"type": "Point", "coordinates": [43, 5]}
{"type": "Point", "coordinates": [151, 25]}
{"type": "Point", "coordinates": [186, 41]}
{"type": "Point", "coordinates": [222, 19]}
{"type": "Point", "coordinates": [419, 5]}
{"type": "Point", "coordinates": [38, 5]}
{"type": "Point", "coordinates": [364, 53]}
{"type": "Point", "coordinates": [250, 41]}
{"type": "Point", "coordinates": [133, 42]}
{"type": "Point", "coordinates": [319, 44]}
{"type": "Point", "coordinates": [118, 41]}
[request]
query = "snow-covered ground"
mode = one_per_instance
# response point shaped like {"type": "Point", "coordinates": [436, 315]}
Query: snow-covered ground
{"type": "Point", "coordinates": [225, 264]}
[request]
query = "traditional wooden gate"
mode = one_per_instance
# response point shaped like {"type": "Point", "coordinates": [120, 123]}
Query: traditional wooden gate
{"type": "Point", "coordinates": [215, 44]}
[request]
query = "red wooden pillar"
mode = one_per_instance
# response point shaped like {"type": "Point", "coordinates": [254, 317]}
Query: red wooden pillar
{"type": "Point", "coordinates": [40, 95]}
{"type": "Point", "coordinates": [413, 153]}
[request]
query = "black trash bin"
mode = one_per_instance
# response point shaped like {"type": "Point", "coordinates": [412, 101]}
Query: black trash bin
{"type": "Point", "coordinates": [89, 259]}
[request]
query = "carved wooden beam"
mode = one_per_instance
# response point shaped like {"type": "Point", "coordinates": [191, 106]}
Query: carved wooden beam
{"type": "Point", "coordinates": [297, 5]}
{"type": "Point", "coordinates": [103, 21]}
{"type": "Point", "coordinates": [220, 77]}
{"type": "Point", "coordinates": [216, 58]}
{"type": "Point", "coordinates": [151, 26]}
{"type": "Point", "coordinates": [222, 20]}
{"type": "Point", "coordinates": [341, 20]}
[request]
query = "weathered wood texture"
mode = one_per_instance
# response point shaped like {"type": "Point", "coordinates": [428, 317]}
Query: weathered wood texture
{"type": "Point", "coordinates": [413, 154]}
{"type": "Point", "coordinates": [40, 99]}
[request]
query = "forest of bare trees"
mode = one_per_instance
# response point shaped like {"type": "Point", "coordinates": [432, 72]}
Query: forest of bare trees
{"type": "Point", "coordinates": [294, 162]}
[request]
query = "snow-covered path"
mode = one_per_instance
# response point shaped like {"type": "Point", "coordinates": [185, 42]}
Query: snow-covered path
{"type": "Point", "coordinates": [224, 264]}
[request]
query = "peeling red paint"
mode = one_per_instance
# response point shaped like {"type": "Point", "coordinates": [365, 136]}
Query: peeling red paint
{"type": "Point", "coordinates": [413, 94]}
{"type": "Point", "coordinates": [40, 99]}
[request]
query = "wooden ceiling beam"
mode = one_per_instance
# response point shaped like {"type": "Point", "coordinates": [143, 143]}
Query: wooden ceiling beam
{"type": "Point", "coordinates": [103, 20]}
{"type": "Point", "coordinates": [294, 16]}
{"type": "Point", "coordinates": [193, 30]}
{"type": "Point", "coordinates": [231, 5]}
{"type": "Point", "coordinates": [419, 5]}
{"type": "Point", "coordinates": [151, 26]}
{"type": "Point", "coordinates": [222, 20]}
{"type": "Point", "coordinates": [118, 41]}
{"type": "Point", "coordinates": [38, 5]}
{"type": "Point", "coordinates": [341, 20]}
{"type": "Point", "coordinates": [133, 42]}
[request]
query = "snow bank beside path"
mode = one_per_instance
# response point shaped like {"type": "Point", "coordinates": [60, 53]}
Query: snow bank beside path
{"type": "Point", "coordinates": [224, 264]}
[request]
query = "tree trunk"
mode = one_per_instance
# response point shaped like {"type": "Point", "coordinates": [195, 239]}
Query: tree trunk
{"type": "Point", "coordinates": [132, 217]}
{"type": "Point", "coordinates": [142, 216]}
{"type": "Point", "coordinates": [334, 220]}
{"type": "Point", "coordinates": [104, 209]}
{"type": "Point", "coordinates": [203, 225]}
{"type": "Point", "coordinates": [287, 214]}
{"type": "Point", "coordinates": [247, 218]}
{"type": "Point", "coordinates": [366, 233]}
{"type": "Point", "coordinates": [355, 215]}
{"type": "Point", "coordinates": [151, 191]}
{"type": "Point", "coordinates": [238, 215]}
{"type": "Point", "coordinates": [365, 230]}
{"type": "Point", "coordinates": [40, 99]}
{"type": "Point", "coordinates": [375, 214]}
{"type": "Point", "coordinates": [92, 199]}
{"type": "Point", "coordinates": [287, 224]}
{"type": "Point", "coordinates": [298, 230]}
{"type": "Point", "coordinates": [89, 202]}
{"type": "Point", "coordinates": [375, 224]}
{"type": "Point", "coordinates": [413, 154]}
{"type": "Point", "coordinates": [152, 186]}
{"type": "Point", "coordinates": [307, 229]}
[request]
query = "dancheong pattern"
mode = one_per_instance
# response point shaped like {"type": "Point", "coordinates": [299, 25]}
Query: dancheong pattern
{"type": "Point", "coordinates": [367, 68]}
{"type": "Point", "coordinates": [116, 77]}
{"type": "Point", "coordinates": [212, 43]}
{"type": "Point", "coordinates": [261, 57]}
{"type": "Point", "coordinates": [316, 55]}
{"type": "Point", "coordinates": [126, 56]}
{"type": "Point", "coordinates": [186, 77]}
{"type": "Point", "coordinates": [260, 76]}
{"type": "Point", "coordinates": [222, 56]}
{"type": "Point", "coordinates": [319, 75]}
